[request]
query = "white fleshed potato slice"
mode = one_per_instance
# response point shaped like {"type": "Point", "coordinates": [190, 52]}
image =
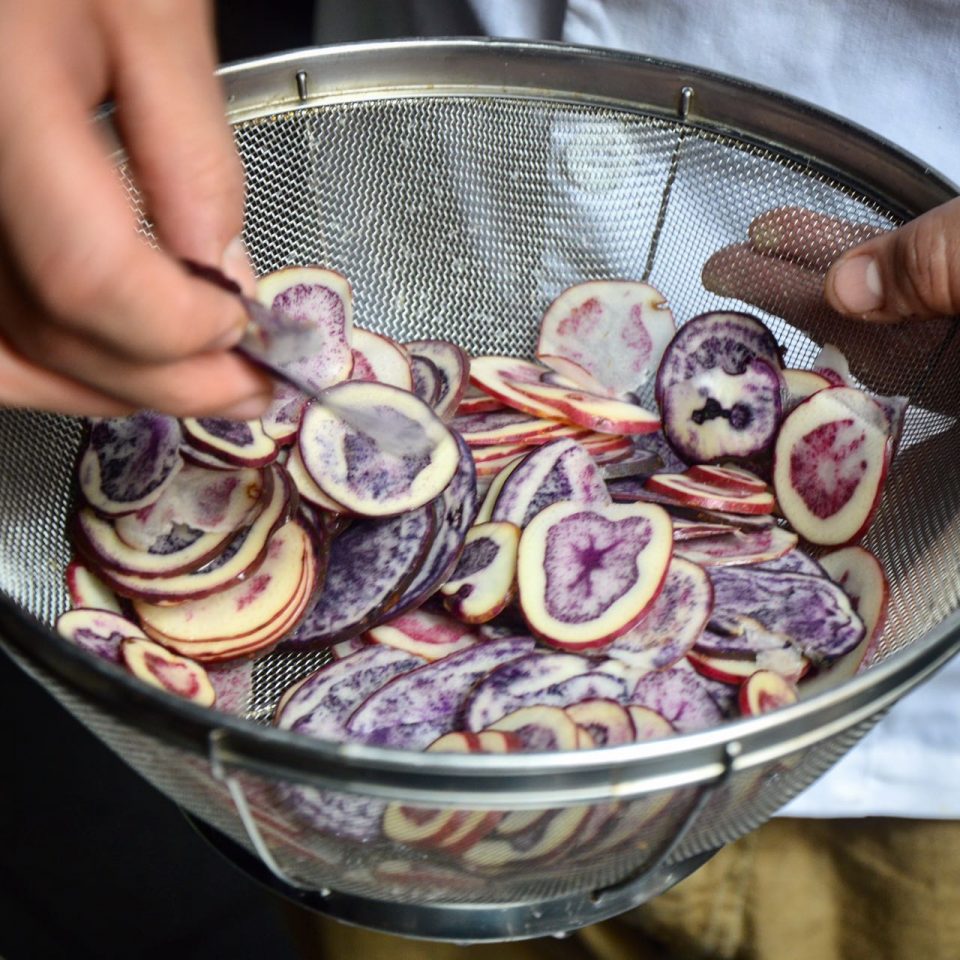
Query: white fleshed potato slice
{"type": "Point", "coordinates": [587, 573]}
{"type": "Point", "coordinates": [379, 359]}
{"type": "Point", "coordinates": [484, 580]}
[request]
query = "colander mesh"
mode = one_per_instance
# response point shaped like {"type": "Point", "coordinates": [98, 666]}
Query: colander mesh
{"type": "Point", "coordinates": [463, 217]}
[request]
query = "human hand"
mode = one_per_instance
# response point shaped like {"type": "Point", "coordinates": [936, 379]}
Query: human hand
{"type": "Point", "coordinates": [93, 321]}
{"type": "Point", "coordinates": [830, 278]}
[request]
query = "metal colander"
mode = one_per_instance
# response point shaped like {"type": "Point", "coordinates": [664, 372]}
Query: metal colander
{"type": "Point", "coordinates": [461, 185]}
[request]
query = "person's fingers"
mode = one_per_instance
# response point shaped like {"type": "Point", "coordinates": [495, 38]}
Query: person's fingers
{"type": "Point", "coordinates": [179, 144]}
{"type": "Point", "coordinates": [71, 232]}
{"type": "Point", "coordinates": [811, 239]}
{"type": "Point", "coordinates": [880, 355]}
{"type": "Point", "coordinates": [909, 273]}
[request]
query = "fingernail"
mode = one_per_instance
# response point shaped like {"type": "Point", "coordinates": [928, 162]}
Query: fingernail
{"type": "Point", "coordinates": [248, 409]}
{"type": "Point", "coordinates": [235, 263]}
{"type": "Point", "coordinates": [856, 285]}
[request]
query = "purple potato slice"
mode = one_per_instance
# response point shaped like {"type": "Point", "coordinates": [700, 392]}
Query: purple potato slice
{"type": "Point", "coordinates": [540, 728]}
{"type": "Point", "coordinates": [679, 695]}
{"type": "Point", "coordinates": [539, 679]}
{"type": "Point", "coordinates": [558, 471]}
{"type": "Point", "coordinates": [740, 636]}
{"type": "Point", "coordinates": [715, 341]}
{"type": "Point", "coordinates": [426, 380]}
{"type": "Point", "coordinates": [380, 359]}
{"type": "Point", "coordinates": [737, 548]}
{"type": "Point", "coordinates": [484, 580]}
{"type": "Point", "coordinates": [457, 507]}
{"type": "Point", "coordinates": [243, 443]}
{"type": "Point", "coordinates": [129, 461]}
{"type": "Point", "coordinates": [500, 427]}
{"type": "Point", "coordinates": [607, 722]}
{"type": "Point", "coordinates": [793, 561]}
{"type": "Point", "coordinates": [813, 612]}
{"type": "Point", "coordinates": [673, 623]}
{"type": "Point", "coordinates": [322, 702]}
{"type": "Point", "coordinates": [370, 564]}
{"type": "Point", "coordinates": [100, 632]}
{"type": "Point", "coordinates": [587, 574]}
{"type": "Point", "coordinates": [452, 365]}
{"type": "Point", "coordinates": [353, 467]}
{"type": "Point", "coordinates": [415, 709]}
{"type": "Point", "coordinates": [716, 415]}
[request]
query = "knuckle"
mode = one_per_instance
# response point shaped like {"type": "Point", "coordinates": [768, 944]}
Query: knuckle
{"type": "Point", "coordinates": [927, 278]}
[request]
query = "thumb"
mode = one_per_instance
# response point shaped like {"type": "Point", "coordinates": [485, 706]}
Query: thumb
{"type": "Point", "coordinates": [909, 273]}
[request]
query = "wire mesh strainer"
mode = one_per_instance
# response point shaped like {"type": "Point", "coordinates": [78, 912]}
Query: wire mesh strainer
{"type": "Point", "coordinates": [460, 185]}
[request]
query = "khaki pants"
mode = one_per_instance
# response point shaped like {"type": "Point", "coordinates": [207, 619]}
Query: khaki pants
{"type": "Point", "coordinates": [875, 889]}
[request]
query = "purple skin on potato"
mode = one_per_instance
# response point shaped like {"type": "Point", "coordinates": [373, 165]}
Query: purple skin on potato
{"type": "Point", "coordinates": [590, 563]}
{"type": "Point", "coordinates": [678, 695]}
{"type": "Point", "coordinates": [429, 700]}
{"type": "Point", "coordinates": [560, 470]}
{"type": "Point", "coordinates": [129, 459]}
{"type": "Point", "coordinates": [451, 364]}
{"type": "Point", "coordinates": [812, 611]}
{"type": "Point", "coordinates": [426, 379]}
{"type": "Point", "coordinates": [542, 680]}
{"type": "Point", "coordinates": [369, 566]}
{"type": "Point", "coordinates": [458, 506]}
{"type": "Point", "coordinates": [734, 635]}
{"type": "Point", "coordinates": [234, 432]}
{"type": "Point", "coordinates": [794, 561]}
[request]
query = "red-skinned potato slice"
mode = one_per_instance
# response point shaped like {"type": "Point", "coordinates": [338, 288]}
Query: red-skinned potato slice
{"type": "Point", "coordinates": [735, 668]}
{"type": "Point", "coordinates": [239, 442]}
{"type": "Point", "coordinates": [673, 622]}
{"type": "Point", "coordinates": [765, 691]}
{"type": "Point", "coordinates": [587, 574]}
{"type": "Point", "coordinates": [489, 469]}
{"type": "Point", "coordinates": [499, 478]}
{"type": "Point", "coordinates": [728, 477]}
{"type": "Point", "coordinates": [861, 576]}
{"type": "Point", "coordinates": [831, 365]}
{"type": "Point", "coordinates": [243, 554]}
{"type": "Point", "coordinates": [428, 635]}
{"type": "Point", "coordinates": [540, 728]}
{"type": "Point", "coordinates": [453, 364]}
{"type": "Point", "coordinates": [508, 426]}
{"type": "Point", "coordinates": [322, 300]}
{"type": "Point", "coordinates": [379, 359]}
{"type": "Point", "coordinates": [476, 401]}
{"type": "Point", "coordinates": [496, 453]}
{"type": "Point", "coordinates": [500, 377]}
{"type": "Point", "coordinates": [616, 330]}
{"type": "Point", "coordinates": [607, 722]}
{"type": "Point", "coordinates": [830, 465]}
{"type": "Point", "coordinates": [593, 412]}
{"type": "Point", "coordinates": [86, 589]}
{"type": "Point", "coordinates": [128, 461]}
{"type": "Point", "coordinates": [181, 551]}
{"type": "Point", "coordinates": [648, 724]}
{"type": "Point", "coordinates": [568, 373]}
{"type": "Point", "coordinates": [214, 501]}
{"type": "Point", "coordinates": [353, 469]}
{"type": "Point", "coordinates": [802, 384]}
{"type": "Point", "coordinates": [242, 608]}
{"type": "Point", "coordinates": [695, 493]}
{"type": "Point", "coordinates": [739, 547]}
{"type": "Point", "coordinates": [99, 632]}
{"type": "Point", "coordinates": [684, 529]}
{"type": "Point", "coordinates": [484, 581]}
{"type": "Point", "coordinates": [168, 671]}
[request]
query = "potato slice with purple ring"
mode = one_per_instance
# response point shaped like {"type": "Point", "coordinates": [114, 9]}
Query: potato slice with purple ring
{"type": "Point", "coordinates": [509, 426]}
{"type": "Point", "coordinates": [648, 724]}
{"type": "Point", "coordinates": [453, 365]}
{"type": "Point", "coordinates": [765, 691]}
{"type": "Point", "coordinates": [306, 486]}
{"type": "Point", "coordinates": [426, 380]}
{"type": "Point", "coordinates": [485, 578]}
{"type": "Point", "coordinates": [587, 574]}
{"type": "Point", "coordinates": [428, 635]}
{"type": "Point", "coordinates": [352, 469]}
{"type": "Point", "coordinates": [541, 728]}
{"type": "Point", "coordinates": [168, 671]}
